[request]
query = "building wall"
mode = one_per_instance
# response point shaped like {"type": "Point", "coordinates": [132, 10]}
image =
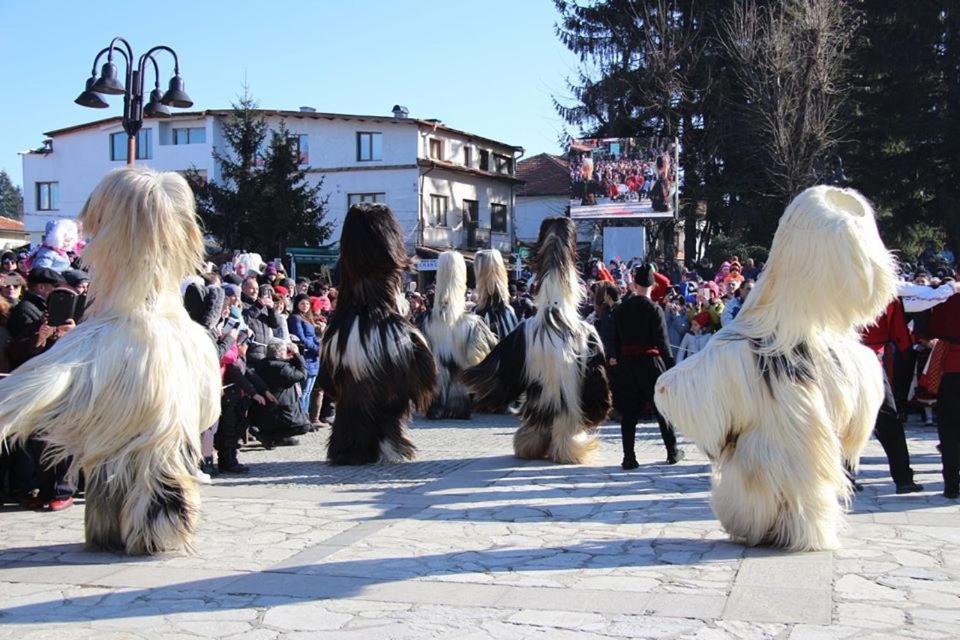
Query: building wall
{"type": "Point", "coordinates": [456, 188]}
{"type": "Point", "coordinates": [531, 211]}
{"type": "Point", "coordinates": [80, 159]}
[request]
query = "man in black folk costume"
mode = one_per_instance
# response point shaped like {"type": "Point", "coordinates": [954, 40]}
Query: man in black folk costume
{"type": "Point", "coordinates": [641, 352]}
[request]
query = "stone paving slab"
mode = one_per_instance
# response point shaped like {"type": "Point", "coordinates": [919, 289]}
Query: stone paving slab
{"type": "Point", "coordinates": [469, 542]}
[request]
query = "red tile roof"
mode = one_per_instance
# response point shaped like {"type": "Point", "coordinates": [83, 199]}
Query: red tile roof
{"type": "Point", "coordinates": [545, 175]}
{"type": "Point", "coordinates": [9, 224]}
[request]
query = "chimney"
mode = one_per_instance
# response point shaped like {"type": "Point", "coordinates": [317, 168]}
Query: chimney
{"type": "Point", "coordinates": [307, 110]}
{"type": "Point", "coordinates": [399, 112]}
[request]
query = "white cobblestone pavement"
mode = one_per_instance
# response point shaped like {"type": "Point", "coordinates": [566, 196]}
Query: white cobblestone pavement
{"type": "Point", "coordinates": [469, 542]}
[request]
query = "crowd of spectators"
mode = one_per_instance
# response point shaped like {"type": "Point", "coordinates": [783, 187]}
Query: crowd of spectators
{"type": "Point", "coordinates": [630, 177]}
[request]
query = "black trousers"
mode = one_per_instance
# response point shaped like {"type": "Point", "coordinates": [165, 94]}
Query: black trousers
{"type": "Point", "coordinates": [889, 431]}
{"type": "Point", "coordinates": [948, 404]}
{"type": "Point", "coordinates": [628, 434]}
{"type": "Point", "coordinates": [29, 474]}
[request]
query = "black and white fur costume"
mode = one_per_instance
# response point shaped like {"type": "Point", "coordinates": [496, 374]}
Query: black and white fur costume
{"type": "Point", "coordinates": [372, 360]}
{"type": "Point", "coordinates": [493, 296]}
{"type": "Point", "coordinates": [458, 339]}
{"type": "Point", "coordinates": [554, 357]}
{"type": "Point", "coordinates": [128, 391]}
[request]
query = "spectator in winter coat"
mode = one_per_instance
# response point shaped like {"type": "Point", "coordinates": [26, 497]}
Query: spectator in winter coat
{"type": "Point", "coordinates": [261, 318]}
{"type": "Point", "coordinates": [678, 323]}
{"type": "Point", "coordinates": [608, 298]}
{"type": "Point", "coordinates": [29, 332]}
{"type": "Point", "coordinates": [242, 387]}
{"type": "Point", "coordinates": [301, 324]}
{"type": "Point", "coordinates": [732, 308]}
{"type": "Point", "coordinates": [282, 370]}
{"type": "Point", "coordinates": [11, 287]}
{"type": "Point", "coordinates": [697, 339]}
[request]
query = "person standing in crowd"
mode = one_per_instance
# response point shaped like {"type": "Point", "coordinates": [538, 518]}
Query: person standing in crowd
{"type": "Point", "coordinates": [944, 324]}
{"type": "Point", "coordinates": [261, 318]}
{"type": "Point", "coordinates": [697, 339]}
{"type": "Point", "coordinates": [8, 263]}
{"type": "Point", "coordinates": [732, 308]}
{"type": "Point", "coordinates": [302, 326]}
{"type": "Point", "coordinates": [892, 327]}
{"type": "Point", "coordinates": [30, 335]}
{"type": "Point", "coordinates": [607, 298]}
{"type": "Point", "coordinates": [11, 287]}
{"type": "Point", "coordinates": [640, 354]}
{"type": "Point", "coordinates": [678, 323]}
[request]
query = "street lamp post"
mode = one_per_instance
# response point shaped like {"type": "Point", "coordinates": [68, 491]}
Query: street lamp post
{"type": "Point", "coordinates": [132, 89]}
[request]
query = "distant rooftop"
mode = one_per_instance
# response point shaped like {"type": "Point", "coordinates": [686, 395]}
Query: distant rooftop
{"type": "Point", "coordinates": [544, 175]}
{"type": "Point", "coordinates": [293, 115]}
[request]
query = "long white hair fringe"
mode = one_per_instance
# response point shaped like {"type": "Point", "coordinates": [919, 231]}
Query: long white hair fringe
{"type": "Point", "coordinates": [491, 277]}
{"type": "Point", "coordinates": [458, 339]}
{"type": "Point", "coordinates": [784, 397]}
{"type": "Point", "coordinates": [127, 392]}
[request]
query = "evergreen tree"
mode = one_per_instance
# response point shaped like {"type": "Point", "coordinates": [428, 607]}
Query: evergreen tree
{"type": "Point", "coordinates": [289, 210]}
{"type": "Point", "coordinates": [905, 119]}
{"type": "Point", "coordinates": [261, 201]}
{"type": "Point", "coordinates": [11, 198]}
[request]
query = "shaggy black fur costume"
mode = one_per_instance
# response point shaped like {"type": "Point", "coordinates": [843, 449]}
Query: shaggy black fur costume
{"type": "Point", "coordinates": [373, 361]}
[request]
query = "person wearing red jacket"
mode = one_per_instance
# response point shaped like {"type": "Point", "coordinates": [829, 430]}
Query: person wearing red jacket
{"type": "Point", "coordinates": [945, 324]}
{"type": "Point", "coordinates": [892, 327]}
{"type": "Point", "coordinates": [660, 287]}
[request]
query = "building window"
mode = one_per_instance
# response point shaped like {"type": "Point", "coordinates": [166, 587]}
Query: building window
{"type": "Point", "coordinates": [467, 156]}
{"type": "Point", "coordinates": [438, 210]}
{"type": "Point", "coordinates": [118, 145]}
{"type": "Point", "coordinates": [191, 135]}
{"type": "Point", "coordinates": [484, 160]}
{"type": "Point", "coordinates": [436, 149]}
{"type": "Point", "coordinates": [498, 218]}
{"type": "Point", "coordinates": [369, 146]}
{"type": "Point", "coordinates": [502, 164]}
{"type": "Point", "coordinates": [48, 196]}
{"type": "Point", "coordinates": [300, 147]}
{"type": "Point", "coordinates": [356, 198]}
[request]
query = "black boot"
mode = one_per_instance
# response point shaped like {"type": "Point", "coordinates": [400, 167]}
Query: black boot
{"type": "Point", "coordinates": [228, 463]}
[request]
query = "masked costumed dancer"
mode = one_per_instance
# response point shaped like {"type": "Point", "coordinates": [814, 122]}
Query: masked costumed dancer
{"type": "Point", "coordinates": [131, 422]}
{"type": "Point", "coordinates": [555, 357]}
{"type": "Point", "coordinates": [372, 361]}
{"type": "Point", "coordinates": [784, 397]}
{"type": "Point", "coordinates": [458, 340]}
{"type": "Point", "coordinates": [493, 294]}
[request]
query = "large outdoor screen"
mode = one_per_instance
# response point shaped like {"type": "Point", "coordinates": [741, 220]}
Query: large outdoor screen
{"type": "Point", "coordinates": [622, 178]}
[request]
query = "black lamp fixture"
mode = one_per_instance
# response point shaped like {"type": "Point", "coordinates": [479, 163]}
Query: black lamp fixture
{"type": "Point", "coordinates": [132, 88]}
{"type": "Point", "coordinates": [90, 98]}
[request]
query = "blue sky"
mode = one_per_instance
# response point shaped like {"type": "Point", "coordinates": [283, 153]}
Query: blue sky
{"type": "Point", "coordinates": [489, 67]}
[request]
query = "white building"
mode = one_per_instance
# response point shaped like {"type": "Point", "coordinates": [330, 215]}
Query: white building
{"type": "Point", "coordinates": [448, 188]}
{"type": "Point", "coordinates": [544, 194]}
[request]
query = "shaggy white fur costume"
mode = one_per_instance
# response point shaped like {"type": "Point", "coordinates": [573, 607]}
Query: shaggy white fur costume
{"type": "Point", "coordinates": [554, 357]}
{"type": "Point", "coordinates": [493, 293]}
{"type": "Point", "coordinates": [128, 391]}
{"type": "Point", "coordinates": [785, 395]}
{"type": "Point", "coordinates": [458, 340]}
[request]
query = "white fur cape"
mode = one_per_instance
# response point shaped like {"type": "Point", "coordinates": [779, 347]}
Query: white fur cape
{"type": "Point", "coordinates": [785, 396]}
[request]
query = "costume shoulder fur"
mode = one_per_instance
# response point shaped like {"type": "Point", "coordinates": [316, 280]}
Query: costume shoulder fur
{"type": "Point", "coordinates": [372, 360]}
{"type": "Point", "coordinates": [127, 392]}
{"type": "Point", "coordinates": [781, 399]}
{"type": "Point", "coordinates": [459, 340]}
{"type": "Point", "coordinates": [554, 357]}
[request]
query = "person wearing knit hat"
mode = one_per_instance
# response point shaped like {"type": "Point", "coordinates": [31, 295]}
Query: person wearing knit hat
{"type": "Point", "coordinates": [641, 352]}
{"type": "Point", "coordinates": [77, 280]}
{"type": "Point", "coordinates": [233, 278]}
{"type": "Point", "coordinates": [697, 338]}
